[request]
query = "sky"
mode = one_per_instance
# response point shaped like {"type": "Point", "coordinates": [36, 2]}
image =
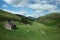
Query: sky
{"type": "Point", "coordinates": [33, 8]}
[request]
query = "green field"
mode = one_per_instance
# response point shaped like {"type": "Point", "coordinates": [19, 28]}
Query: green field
{"type": "Point", "coordinates": [36, 31]}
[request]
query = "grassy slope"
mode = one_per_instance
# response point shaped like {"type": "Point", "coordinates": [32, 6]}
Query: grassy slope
{"type": "Point", "coordinates": [6, 15]}
{"type": "Point", "coordinates": [52, 19]}
{"type": "Point", "coordinates": [36, 31]}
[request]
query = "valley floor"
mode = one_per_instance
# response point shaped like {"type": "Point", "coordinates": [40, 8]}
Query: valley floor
{"type": "Point", "coordinates": [36, 31]}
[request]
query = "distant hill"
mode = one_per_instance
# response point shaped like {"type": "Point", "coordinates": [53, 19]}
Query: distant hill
{"type": "Point", "coordinates": [4, 16]}
{"type": "Point", "coordinates": [7, 15]}
{"type": "Point", "coordinates": [52, 19]}
{"type": "Point", "coordinates": [26, 20]}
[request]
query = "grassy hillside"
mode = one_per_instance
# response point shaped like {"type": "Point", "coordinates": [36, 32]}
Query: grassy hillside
{"type": "Point", "coordinates": [37, 31]}
{"type": "Point", "coordinates": [26, 20]}
{"type": "Point", "coordinates": [52, 19]}
{"type": "Point", "coordinates": [6, 16]}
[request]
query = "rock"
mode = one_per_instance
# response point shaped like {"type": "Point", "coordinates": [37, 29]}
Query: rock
{"type": "Point", "coordinates": [7, 26]}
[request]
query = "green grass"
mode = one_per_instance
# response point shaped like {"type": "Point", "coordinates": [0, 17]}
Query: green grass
{"type": "Point", "coordinates": [4, 15]}
{"type": "Point", "coordinates": [52, 19]}
{"type": "Point", "coordinates": [36, 31]}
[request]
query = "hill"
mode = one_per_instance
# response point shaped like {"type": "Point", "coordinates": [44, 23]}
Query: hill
{"type": "Point", "coordinates": [26, 20]}
{"type": "Point", "coordinates": [52, 19]}
{"type": "Point", "coordinates": [36, 31]}
{"type": "Point", "coordinates": [7, 15]}
{"type": "Point", "coordinates": [4, 16]}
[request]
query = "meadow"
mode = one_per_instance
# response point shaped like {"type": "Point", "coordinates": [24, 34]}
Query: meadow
{"type": "Point", "coordinates": [36, 31]}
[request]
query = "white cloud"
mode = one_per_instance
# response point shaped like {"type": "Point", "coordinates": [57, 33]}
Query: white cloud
{"type": "Point", "coordinates": [35, 6]}
{"type": "Point", "coordinates": [40, 1]}
{"type": "Point", "coordinates": [13, 2]}
{"type": "Point", "coordinates": [42, 7]}
{"type": "Point", "coordinates": [39, 6]}
{"type": "Point", "coordinates": [48, 7]}
{"type": "Point", "coordinates": [52, 11]}
{"type": "Point", "coordinates": [38, 11]}
{"type": "Point", "coordinates": [29, 15]}
{"type": "Point", "coordinates": [22, 3]}
{"type": "Point", "coordinates": [22, 12]}
{"type": "Point", "coordinates": [44, 2]}
{"type": "Point", "coordinates": [17, 3]}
